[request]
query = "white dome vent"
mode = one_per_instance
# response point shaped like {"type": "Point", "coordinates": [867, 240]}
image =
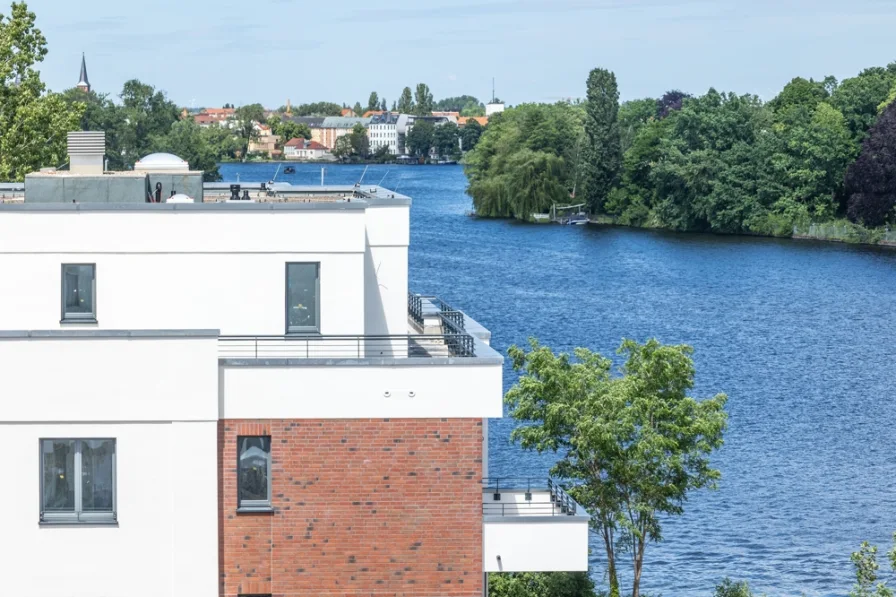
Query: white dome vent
{"type": "Point", "coordinates": [179, 198]}
{"type": "Point", "coordinates": [162, 162]}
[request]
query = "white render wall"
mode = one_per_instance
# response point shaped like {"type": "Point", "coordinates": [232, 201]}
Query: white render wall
{"type": "Point", "coordinates": [166, 540]}
{"type": "Point", "coordinates": [207, 267]}
{"type": "Point", "coordinates": [352, 392]}
{"type": "Point", "coordinates": [109, 379]}
{"type": "Point", "coordinates": [535, 546]}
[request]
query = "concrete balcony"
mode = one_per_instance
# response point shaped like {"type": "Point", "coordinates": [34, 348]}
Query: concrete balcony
{"type": "Point", "coordinates": [531, 526]}
{"type": "Point", "coordinates": [437, 370]}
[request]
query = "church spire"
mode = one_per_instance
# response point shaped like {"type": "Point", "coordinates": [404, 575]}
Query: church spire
{"type": "Point", "coordinates": [83, 83]}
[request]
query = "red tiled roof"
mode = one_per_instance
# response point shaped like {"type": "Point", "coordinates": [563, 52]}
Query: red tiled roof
{"type": "Point", "coordinates": [314, 145]}
{"type": "Point", "coordinates": [296, 142]}
{"type": "Point", "coordinates": [348, 112]}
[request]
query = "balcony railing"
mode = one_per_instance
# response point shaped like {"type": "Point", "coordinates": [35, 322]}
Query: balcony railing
{"type": "Point", "coordinates": [346, 347]}
{"type": "Point", "coordinates": [501, 497]}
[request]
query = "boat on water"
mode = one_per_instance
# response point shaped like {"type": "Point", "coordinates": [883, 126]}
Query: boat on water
{"type": "Point", "coordinates": [579, 219]}
{"type": "Point", "coordinates": [447, 162]}
{"type": "Point", "coordinates": [289, 170]}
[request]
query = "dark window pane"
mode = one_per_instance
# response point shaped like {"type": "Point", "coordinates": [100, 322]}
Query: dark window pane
{"type": "Point", "coordinates": [58, 462]}
{"type": "Point", "coordinates": [254, 453]}
{"type": "Point", "coordinates": [78, 289]}
{"type": "Point", "coordinates": [97, 476]}
{"type": "Point", "coordinates": [301, 296]}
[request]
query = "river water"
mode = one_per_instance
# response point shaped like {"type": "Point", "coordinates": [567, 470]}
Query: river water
{"type": "Point", "coordinates": [800, 335]}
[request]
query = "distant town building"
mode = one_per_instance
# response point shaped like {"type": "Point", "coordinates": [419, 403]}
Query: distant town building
{"type": "Point", "coordinates": [266, 143]}
{"type": "Point", "coordinates": [83, 82]}
{"type": "Point", "coordinates": [210, 116]}
{"type": "Point", "coordinates": [348, 113]}
{"type": "Point", "coordinates": [383, 132]}
{"type": "Point", "coordinates": [463, 120]}
{"type": "Point", "coordinates": [305, 149]}
{"type": "Point", "coordinates": [334, 127]}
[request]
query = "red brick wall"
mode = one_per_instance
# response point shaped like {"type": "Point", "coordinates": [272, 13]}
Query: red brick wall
{"type": "Point", "coordinates": [368, 507]}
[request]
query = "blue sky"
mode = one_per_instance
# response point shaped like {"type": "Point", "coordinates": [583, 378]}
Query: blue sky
{"type": "Point", "coordinates": [208, 53]}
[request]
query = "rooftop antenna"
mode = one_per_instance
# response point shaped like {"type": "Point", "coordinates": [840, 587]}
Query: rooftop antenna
{"type": "Point", "coordinates": [493, 90]}
{"type": "Point", "coordinates": [275, 174]}
{"type": "Point", "coordinates": [383, 178]}
{"type": "Point", "coordinates": [322, 172]}
{"type": "Point", "coordinates": [399, 182]}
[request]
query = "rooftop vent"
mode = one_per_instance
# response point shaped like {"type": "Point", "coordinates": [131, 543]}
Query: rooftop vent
{"type": "Point", "coordinates": [86, 150]}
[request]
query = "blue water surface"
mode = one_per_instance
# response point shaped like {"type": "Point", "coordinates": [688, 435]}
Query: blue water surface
{"type": "Point", "coordinates": [800, 335]}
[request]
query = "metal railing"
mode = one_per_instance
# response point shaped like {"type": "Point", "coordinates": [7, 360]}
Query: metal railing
{"type": "Point", "coordinates": [415, 307]}
{"type": "Point", "coordinates": [344, 347]}
{"type": "Point", "coordinates": [539, 498]}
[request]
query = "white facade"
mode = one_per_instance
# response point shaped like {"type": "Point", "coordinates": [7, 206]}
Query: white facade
{"type": "Point", "coordinates": [383, 134]}
{"type": "Point", "coordinates": [182, 295]}
{"type": "Point", "coordinates": [156, 396]}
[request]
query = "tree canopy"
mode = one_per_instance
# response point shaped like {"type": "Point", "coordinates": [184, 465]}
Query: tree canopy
{"type": "Point", "coordinates": [525, 160]}
{"type": "Point", "coordinates": [33, 124]}
{"type": "Point", "coordinates": [871, 180]}
{"type": "Point", "coordinates": [603, 153]}
{"type": "Point", "coordinates": [420, 139]}
{"type": "Point", "coordinates": [423, 100]}
{"type": "Point", "coordinates": [406, 102]}
{"type": "Point", "coordinates": [632, 447]}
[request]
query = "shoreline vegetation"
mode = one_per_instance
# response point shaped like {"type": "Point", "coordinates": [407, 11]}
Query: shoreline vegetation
{"type": "Point", "coordinates": [816, 162]}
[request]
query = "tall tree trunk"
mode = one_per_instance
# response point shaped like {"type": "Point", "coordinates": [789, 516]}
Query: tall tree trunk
{"type": "Point", "coordinates": [639, 561]}
{"type": "Point", "coordinates": [611, 563]}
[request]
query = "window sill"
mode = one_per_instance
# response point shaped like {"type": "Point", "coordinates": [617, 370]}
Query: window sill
{"type": "Point", "coordinates": [77, 321]}
{"type": "Point", "coordinates": [255, 510]}
{"type": "Point", "coordinates": [78, 523]}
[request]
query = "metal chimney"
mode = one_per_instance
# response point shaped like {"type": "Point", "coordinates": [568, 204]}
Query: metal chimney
{"type": "Point", "coordinates": [86, 150]}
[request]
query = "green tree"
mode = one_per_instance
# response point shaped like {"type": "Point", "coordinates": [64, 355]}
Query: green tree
{"type": "Point", "coordinates": [456, 104]}
{"type": "Point", "coordinates": [357, 109]}
{"type": "Point", "coordinates": [532, 144]}
{"type": "Point", "coordinates": [859, 98]}
{"type": "Point", "coordinates": [343, 149]}
{"type": "Point", "coordinates": [470, 134]}
{"type": "Point", "coordinates": [383, 105]}
{"type": "Point", "coordinates": [472, 108]}
{"type": "Point", "coordinates": [445, 139]}
{"type": "Point", "coordinates": [603, 153]}
{"type": "Point", "coordinates": [633, 446]}
{"type": "Point", "coordinates": [420, 139]}
{"type": "Point", "coordinates": [246, 118]}
{"type": "Point", "coordinates": [360, 141]}
{"type": "Point", "coordinates": [185, 139]}
{"type": "Point", "coordinates": [406, 102]}
{"type": "Point", "coordinates": [33, 123]}
{"type": "Point", "coordinates": [422, 100]}
{"type": "Point", "coordinates": [318, 109]}
{"type": "Point", "coordinates": [633, 115]}
{"type": "Point", "coordinates": [221, 140]}
{"type": "Point", "coordinates": [147, 113]}
{"type": "Point", "coordinates": [730, 588]}
{"type": "Point", "coordinates": [541, 584]}
{"type": "Point", "coordinates": [287, 129]}
{"type": "Point", "coordinates": [373, 102]}
{"type": "Point", "coordinates": [868, 571]}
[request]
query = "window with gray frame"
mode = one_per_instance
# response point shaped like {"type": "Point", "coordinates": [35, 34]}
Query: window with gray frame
{"type": "Point", "coordinates": [254, 472]}
{"type": "Point", "coordinates": [77, 481]}
{"type": "Point", "coordinates": [302, 298]}
{"type": "Point", "coordinates": [78, 292]}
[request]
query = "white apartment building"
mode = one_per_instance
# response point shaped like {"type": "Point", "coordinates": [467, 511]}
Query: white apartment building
{"type": "Point", "coordinates": [187, 386]}
{"type": "Point", "coordinates": [383, 132]}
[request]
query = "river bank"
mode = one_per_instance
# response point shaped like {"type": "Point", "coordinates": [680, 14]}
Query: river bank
{"type": "Point", "coordinates": [837, 231]}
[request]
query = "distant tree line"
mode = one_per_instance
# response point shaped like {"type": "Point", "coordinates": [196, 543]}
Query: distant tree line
{"type": "Point", "coordinates": [721, 162]}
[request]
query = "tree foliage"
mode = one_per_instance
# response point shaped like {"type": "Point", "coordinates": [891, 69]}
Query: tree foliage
{"type": "Point", "coordinates": [317, 109]}
{"type": "Point", "coordinates": [246, 118]}
{"type": "Point", "coordinates": [406, 102]}
{"type": "Point", "coordinates": [445, 139]}
{"type": "Point", "coordinates": [148, 113]}
{"type": "Point", "coordinates": [602, 151]}
{"type": "Point", "coordinates": [470, 135]}
{"type": "Point", "coordinates": [420, 139]}
{"type": "Point", "coordinates": [188, 140]}
{"type": "Point", "coordinates": [541, 584]}
{"type": "Point", "coordinates": [633, 447]}
{"type": "Point", "coordinates": [353, 146]}
{"type": "Point", "coordinates": [670, 102]}
{"type": "Point", "coordinates": [730, 588]}
{"type": "Point", "coordinates": [868, 583]}
{"type": "Point", "coordinates": [373, 102]}
{"type": "Point", "coordinates": [422, 100]}
{"type": "Point", "coordinates": [871, 180]}
{"type": "Point", "coordinates": [525, 160]}
{"type": "Point", "coordinates": [33, 123]}
{"type": "Point", "coordinates": [456, 104]}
